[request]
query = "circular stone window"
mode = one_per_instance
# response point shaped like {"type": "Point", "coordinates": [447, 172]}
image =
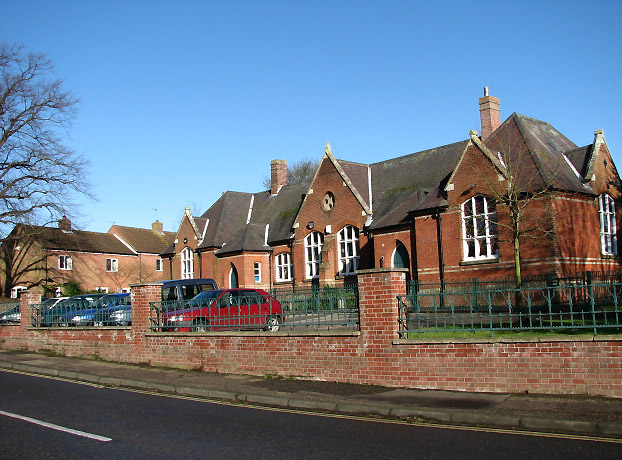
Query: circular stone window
{"type": "Point", "coordinates": [329, 201]}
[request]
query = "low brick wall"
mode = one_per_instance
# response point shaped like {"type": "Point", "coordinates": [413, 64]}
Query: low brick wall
{"type": "Point", "coordinates": [372, 356]}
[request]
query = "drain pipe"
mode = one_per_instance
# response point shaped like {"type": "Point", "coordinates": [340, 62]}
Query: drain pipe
{"type": "Point", "coordinates": [441, 258]}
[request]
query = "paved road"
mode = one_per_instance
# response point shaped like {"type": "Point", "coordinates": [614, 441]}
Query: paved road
{"type": "Point", "coordinates": [155, 427]}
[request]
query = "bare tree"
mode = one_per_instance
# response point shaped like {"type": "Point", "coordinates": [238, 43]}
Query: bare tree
{"type": "Point", "coordinates": [297, 172]}
{"type": "Point", "coordinates": [39, 175]}
{"type": "Point", "coordinates": [518, 188]}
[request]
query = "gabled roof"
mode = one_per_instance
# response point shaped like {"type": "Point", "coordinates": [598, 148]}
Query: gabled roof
{"type": "Point", "coordinates": [251, 237]}
{"type": "Point", "coordinates": [538, 153]}
{"type": "Point", "coordinates": [400, 184]}
{"type": "Point", "coordinates": [580, 157]}
{"type": "Point", "coordinates": [226, 217]}
{"type": "Point", "coordinates": [76, 240]}
{"type": "Point", "coordinates": [143, 240]}
{"type": "Point", "coordinates": [391, 190]}
{"type": "Point", "coordinates": [279, 211]}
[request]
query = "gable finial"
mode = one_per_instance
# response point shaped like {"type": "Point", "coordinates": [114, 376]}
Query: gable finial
{"type": "Point", "coordinates": [327, 149]}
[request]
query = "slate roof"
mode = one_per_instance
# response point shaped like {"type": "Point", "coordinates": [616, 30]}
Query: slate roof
{"type": "Point", "coordinates": [539, 150]}
{"type": "Point", "coordinates": [249, 238]}
{"type": "Point", "coordinates": [77, 240]}
{"type": "Point", "coordinates": [143, 240]}
{"type": "Point", "coordinates": [399, 186]}
{"type": "Point", "coordinates": [580, 158]}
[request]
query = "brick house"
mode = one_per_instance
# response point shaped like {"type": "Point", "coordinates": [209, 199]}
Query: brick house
{"type": "Point", "coordinates": [433, 211]}
{"type": "Point", "coordinates": [105, 262]}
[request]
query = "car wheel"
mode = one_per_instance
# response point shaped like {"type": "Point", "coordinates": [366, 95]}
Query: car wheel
{"type": "Point", "coordinates": [201, 325]}
{"type": "Point", "coordinates": [273, 323]}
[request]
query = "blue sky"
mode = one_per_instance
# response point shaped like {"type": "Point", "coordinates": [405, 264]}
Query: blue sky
{"type": "Point", "coordinates": [181, 101]}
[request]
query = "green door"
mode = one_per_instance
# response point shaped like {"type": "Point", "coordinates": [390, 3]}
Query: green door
{"type": "Point", "coordinates": [400, 257]}
{"type": "Point", "coordinates": [233, 278]}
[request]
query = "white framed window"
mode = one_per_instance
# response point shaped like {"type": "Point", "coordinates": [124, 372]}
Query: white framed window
{"type": "Point", "coordinates": [479, 228]}
{"type": "Point", "coordinates": [128, 290]}
{"type": "Point", "coordinates": [159, 265]}
{"type": "Point", "coordinates": [348, 250]}
{"type": "Point", "coordinates": [102, 290]}
{"type": "Point", "coordinates": [187, 264]}
{"type": "Point", "coordinates": [283, 266]}
{"type": "Point", "coordinates": [257, 271]}
{"type": "Point", "coordinates": [607, 213]}
{"type": "Point", "coordinates": [313, 254]}
{"type": "Point", "coordinates": [65, 263]}
{"type": "Point", "coordinates": [112, 265]}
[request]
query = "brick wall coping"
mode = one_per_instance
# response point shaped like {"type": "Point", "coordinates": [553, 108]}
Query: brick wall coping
{"type": "Point", "coordinates": [83, 328]}
{"type": "Point", "coordinates": [543, 339]}
{"type": "Point", "coordinates": [381, 270]}
{"type": "Point", "coordinates": [257, 334]}
{"type": "Point", "coordinates": [153, 283]}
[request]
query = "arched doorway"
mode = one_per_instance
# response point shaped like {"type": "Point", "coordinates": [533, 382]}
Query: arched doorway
{"type": "Point", "coordinates": [233, 278]}
{"type": "Point", "coordinates": [401, 259]}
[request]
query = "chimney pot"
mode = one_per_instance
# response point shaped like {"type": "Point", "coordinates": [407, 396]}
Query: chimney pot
{"type": "Point", "coordinates": [278, 175]}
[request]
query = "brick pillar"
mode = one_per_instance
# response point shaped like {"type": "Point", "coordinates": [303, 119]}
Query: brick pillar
{"type": "Point", "coordinates": [329, 266]}
{"type": "Point", "coordinates": [141, 295]}
{"type": "Point", "coordinates": [378, 291]}
{"type": "Point", "coordinates": [25, 300]}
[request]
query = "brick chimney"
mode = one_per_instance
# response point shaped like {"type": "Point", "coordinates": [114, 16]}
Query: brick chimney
{"type": "Point", "coordinates": [157, 227]}
{"type": "Point", "coordinates": [490, 114]}
{"type": "Point", "coordinates": [64, 224]}
{"type": "Point", "coordinates": [278, 169]}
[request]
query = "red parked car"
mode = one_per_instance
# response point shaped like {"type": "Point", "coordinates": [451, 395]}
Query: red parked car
{"type": "Point", "coordinates": [225, 309]}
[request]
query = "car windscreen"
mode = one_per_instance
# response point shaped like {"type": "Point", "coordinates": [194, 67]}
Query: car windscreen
{"type": "Point", "coordinates": [188, 291]}
{"type": "Point", "coordinates": [207, 295]}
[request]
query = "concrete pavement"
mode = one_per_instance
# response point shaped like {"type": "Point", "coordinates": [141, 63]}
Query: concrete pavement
{"type": "Point", "coordinates": [572, 414]}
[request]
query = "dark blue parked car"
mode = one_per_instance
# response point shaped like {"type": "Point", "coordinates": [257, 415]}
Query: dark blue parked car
{"type": "Point", "coordinates": [91, 315]}
{"type": "Point", "coordinates": [116, 312]}
{"type": "Point", "coordinates": [59, 314]}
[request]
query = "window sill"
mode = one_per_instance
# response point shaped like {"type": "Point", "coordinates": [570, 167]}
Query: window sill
{"type": "Point", "coordinates": [479, 262]}
{"type": "Point", "coordinates": [610, 256]}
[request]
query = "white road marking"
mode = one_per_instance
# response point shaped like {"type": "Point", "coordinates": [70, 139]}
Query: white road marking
{"type": "Point", "coordinates": [56, 427]}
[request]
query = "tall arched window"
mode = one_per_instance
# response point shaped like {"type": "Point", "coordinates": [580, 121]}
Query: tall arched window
{"type": "Point", "coordinates": [607, 212]}
{"type": "Point", "coordinates": [313, 253]}
{"type": "Point", "coordinates": [479, 228]}
{"type": "Point", "coordinates": [187, 264]}
{"type": "Point", "coordinates": [233, 278]}
{"type": "Point", "coordinates": [283, 267]}
{"type": "Point", "coordinates": [348, 250]}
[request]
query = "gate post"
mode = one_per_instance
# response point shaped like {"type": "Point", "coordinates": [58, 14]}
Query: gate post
{"type": "Point", "coordinates": [25, 300]}
{"type": "Point", "coordinates": [378, 291]}
{"type": "Point", "coordinates": [141, 296]}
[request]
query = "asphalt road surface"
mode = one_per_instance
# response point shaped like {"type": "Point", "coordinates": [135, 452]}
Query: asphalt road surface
{"type": "Point", "coordinates": [36, 412]}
